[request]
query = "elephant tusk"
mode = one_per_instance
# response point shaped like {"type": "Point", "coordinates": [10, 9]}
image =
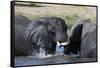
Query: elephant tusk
{"type": "Point", "coordinates": [58, 44]}
{"type": "Point", "coordinates": [63, 43]}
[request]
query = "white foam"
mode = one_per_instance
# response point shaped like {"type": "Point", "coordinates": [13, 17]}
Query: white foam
{"type": "Point", "coordinates": [42, 54]}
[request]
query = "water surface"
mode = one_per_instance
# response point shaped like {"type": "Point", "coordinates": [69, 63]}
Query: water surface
{"type": "Point", "coordinates": [30, 60]}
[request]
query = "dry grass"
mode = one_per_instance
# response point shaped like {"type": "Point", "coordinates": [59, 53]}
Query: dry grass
{"type": "Point", "coordinates": [69, 13]}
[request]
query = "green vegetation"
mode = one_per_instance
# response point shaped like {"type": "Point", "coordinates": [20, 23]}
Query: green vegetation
{"type": "Point", "coordinates": [69, 13]}
{"type": "Point", "coordinates": [69, 20]}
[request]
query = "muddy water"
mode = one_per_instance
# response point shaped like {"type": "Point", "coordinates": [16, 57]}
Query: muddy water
{"type": "Point", "coordinates": [30, 60]}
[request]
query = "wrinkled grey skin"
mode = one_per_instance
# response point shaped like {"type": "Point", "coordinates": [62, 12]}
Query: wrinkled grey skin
{"type": "Point", "coordinates": [89, 41]}
{"type": "Point", "coordinates": [21, 47]}
{"type": "Point", "coordinates": [83, 39]}
{"type": "Point", "coordinates": [43, 32]}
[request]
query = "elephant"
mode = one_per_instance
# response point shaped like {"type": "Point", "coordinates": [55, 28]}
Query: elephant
{"type": "Point", "coordinates": [44, 32]}
{"type": "Point", "coordinates": [83, 39]}
{"type": "Point", "coordinates": [20, 47]}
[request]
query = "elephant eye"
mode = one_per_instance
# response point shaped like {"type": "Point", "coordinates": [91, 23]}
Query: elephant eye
{"type": "Point", "coordinates": [52, 32]}
{"type": "Point", "coordinates": [64, 28]}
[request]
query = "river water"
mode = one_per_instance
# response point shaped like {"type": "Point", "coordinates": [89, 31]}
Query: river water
{"type": "Point", "coordinates": [58, 59]}
{"type": "Point", "coordinates": [42, 59]}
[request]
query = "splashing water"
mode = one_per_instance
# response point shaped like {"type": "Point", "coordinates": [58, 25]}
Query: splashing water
{"type": "Point", "coordinates": [59, 50]}
{"type": "Point", "coordinates": [42, 54]}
